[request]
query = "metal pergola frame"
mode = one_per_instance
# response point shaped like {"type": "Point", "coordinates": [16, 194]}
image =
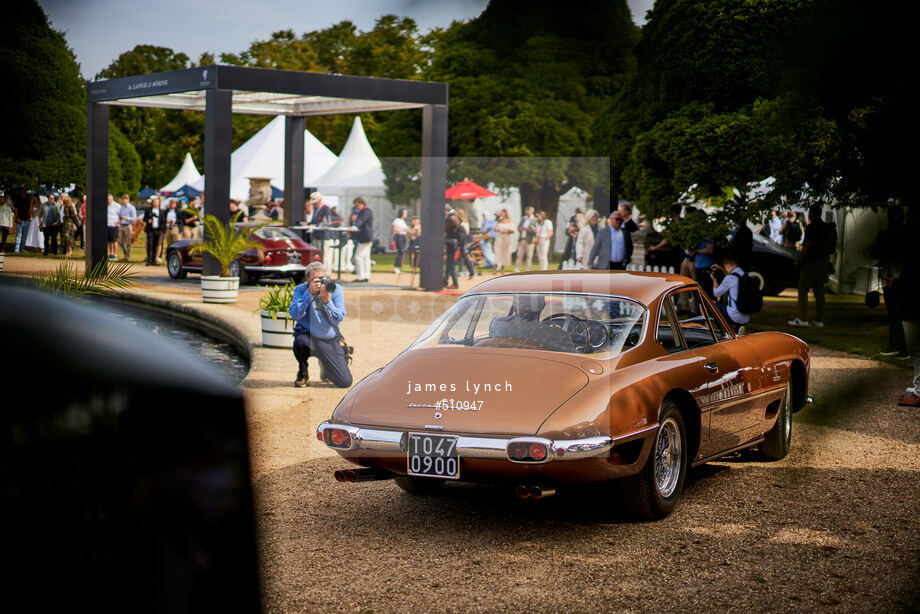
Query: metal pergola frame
{"type": "Point", "coordinates": [220, 91]}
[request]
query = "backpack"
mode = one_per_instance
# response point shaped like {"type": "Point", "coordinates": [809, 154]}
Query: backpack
{"type": "Point", "coordinates": [793, 231]}
{"type": "Point", "coordinates": [750, 299]}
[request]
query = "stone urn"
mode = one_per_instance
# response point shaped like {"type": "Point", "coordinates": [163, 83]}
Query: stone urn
{"type": "Point", "coordinates": [260, 193]}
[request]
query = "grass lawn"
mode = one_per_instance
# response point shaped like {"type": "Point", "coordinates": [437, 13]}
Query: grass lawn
{"type": "Point", "coordinates": [849, 325]}
{"type": "Point", "coordinates": [384, 263]}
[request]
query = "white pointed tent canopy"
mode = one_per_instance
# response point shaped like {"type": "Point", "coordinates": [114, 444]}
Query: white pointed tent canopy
{"type": "Point", "coordinates": [188, 174]}
{"type": "Point", "coordinates": [358, 172]}
{"type": "Point", "coordinates": [263, 156]}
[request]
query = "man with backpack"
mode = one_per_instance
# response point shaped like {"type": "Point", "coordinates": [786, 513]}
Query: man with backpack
{"type": "Point", "coordinates": [813, 263]}
{"type": "Point", "coordinates": [741, 292]}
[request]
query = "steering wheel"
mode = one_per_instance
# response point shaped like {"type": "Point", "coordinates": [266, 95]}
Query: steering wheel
{"type": "Point", "coordinates": [569, 323]}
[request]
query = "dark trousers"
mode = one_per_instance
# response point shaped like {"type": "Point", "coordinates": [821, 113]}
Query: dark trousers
{"type": "Point", "coordinates": [401, 241]}
{"type": "Point", "coordinates": [450, 268]}
{"type": "Point", "coordinates": [617, 266]}
{"type": "Point", "coordinates": [51, 239]}
{"type": "Point", "coordinates": [154, 237]}
{"type": "Point", "coordinates": [333, 365]}
{"type": "Point", "coordinates": [896, 339]}
{"type": "Point", "coordinates": [4, 233]}
{"type": "Point", "coordinates": [812, 276]}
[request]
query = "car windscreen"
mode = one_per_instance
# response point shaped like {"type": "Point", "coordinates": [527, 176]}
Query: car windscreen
{"type": "Point", "coordinates": [554, 322]}
{"type": "Point", "coordinates": [275, 233]}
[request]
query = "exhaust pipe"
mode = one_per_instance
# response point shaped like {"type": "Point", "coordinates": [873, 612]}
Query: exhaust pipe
{"type": "Point", "coordinates": [364, 474]}
{"type": "Point", "coordinates": [533, 492]}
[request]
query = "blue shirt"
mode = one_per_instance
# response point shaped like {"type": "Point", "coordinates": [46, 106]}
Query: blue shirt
{"type": "Point", "coordinates": [617, 245]}
{"type": "Point", "coordinates": [303, 310]}
{"type": "Point", "coordinates": [730, 286]}
{"type": "Point", "coordinates": [129, 212]}
{"type": "Point", "coordinates": [703, 261]}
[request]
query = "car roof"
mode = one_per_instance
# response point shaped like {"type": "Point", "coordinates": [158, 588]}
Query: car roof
{"type": "Point", "coordinates": [642, 286]}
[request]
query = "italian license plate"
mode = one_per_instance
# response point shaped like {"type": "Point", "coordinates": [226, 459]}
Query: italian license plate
{"type": "Point", "coordinates": [434, 456]}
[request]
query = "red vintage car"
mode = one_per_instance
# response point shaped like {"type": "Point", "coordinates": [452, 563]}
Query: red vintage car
{"type": "Point", "coordinates": [545, 379]}
{"type": "Point", "coordinates": [281, 253]}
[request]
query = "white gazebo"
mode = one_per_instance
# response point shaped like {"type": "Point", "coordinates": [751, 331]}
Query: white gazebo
{"type": "Point", "coordinates": [188, 174]}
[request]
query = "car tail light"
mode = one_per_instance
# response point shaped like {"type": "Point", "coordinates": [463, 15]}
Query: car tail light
{"type": "Point", "coordinates": [317, 257]}
{"type": "Point", "coordinates": [268, 259]}
{"type": "Point", "coordinates": [319, 435]}
{"type": "Point", "coordinates": [337, 438]}
{"type": "Point", "coordinates": [518, 450]}
{"type": "Point", "coordinates": [537, 451]}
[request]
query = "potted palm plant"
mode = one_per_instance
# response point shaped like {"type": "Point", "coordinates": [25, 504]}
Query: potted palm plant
{"type": "Point", "coordinates": [225, 242]}
{"type": "Point", "coordinates": [277, 325]}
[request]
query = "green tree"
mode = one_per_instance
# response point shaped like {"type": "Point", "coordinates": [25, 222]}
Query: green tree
{"type": "Point", "coordinates": [124, 164]}
{"type": "Point", "coordinates": [43, 108]}
{"type": "Point", "coordinates": [524, 87]}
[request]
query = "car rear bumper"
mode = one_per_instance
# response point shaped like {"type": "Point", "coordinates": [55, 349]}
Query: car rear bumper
{"type": "Point", "coordinates": [473, 446]}
{"type": "Point", "coordinates": [284, 268]}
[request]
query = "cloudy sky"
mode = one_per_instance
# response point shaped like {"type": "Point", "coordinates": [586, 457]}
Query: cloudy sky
{"type": "Point", "coordinates": [99, 30]}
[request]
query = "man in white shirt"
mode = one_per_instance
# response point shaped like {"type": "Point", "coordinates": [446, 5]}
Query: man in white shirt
{"type": "Point", "coordinates": [127, 215]}
{"type": "Point", "coordinates": [528, 232]}
{"type": "Point", "coordinates": [543, 239]}
{"type": "Point", "coordinates": [112, 227]}
{"type": "Point", "coordinates": [728, 288]}
{"type": "Point", "coordinates": [776, 227]}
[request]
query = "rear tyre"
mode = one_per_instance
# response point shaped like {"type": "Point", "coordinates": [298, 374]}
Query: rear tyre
{"type": "Point", "coordinates": [775, 444]}
{"type": "Point", "coordinates": [419, 486]}
{"type": "Point", "coordinates": [174, 265]}
{"type": "Point", "coordinates": [652, 493]}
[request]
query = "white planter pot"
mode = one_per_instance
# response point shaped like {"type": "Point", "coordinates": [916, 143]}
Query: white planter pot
{"type": "Point", "coordinates": [277, 332]}
{"type": "Point", "coordinates": [217, 289]}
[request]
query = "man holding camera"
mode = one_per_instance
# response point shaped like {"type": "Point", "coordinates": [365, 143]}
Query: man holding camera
{"type": "Point", "coordinates": [318, 307]}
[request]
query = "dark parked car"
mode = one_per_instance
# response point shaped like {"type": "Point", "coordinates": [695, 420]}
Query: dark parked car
{"type": "Point", "coordinates": [282, 253]}
{"type": "Point", "coordinates": [773, 265]}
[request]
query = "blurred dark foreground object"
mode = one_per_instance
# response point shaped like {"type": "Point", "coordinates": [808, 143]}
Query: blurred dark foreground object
{"type": "Point", "coordinates": [124, 468]}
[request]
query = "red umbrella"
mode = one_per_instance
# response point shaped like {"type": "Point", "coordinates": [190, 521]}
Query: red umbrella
{"type": "Point", "coordinates": [466, 189]}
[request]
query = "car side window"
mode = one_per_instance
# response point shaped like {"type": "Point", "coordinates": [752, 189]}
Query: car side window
{"type": "Point", "coordinates": [693, 323]}
{"type": "Point", "coordinates": [667, 334]}
{"type": "Point", "coordinates": [722, 333]}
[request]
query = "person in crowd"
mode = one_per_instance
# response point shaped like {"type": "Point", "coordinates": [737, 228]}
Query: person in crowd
{"type": "Point", "coordinates": [173, 219]}
{"type": "Point", "coordinates": [629, 224]}
{"type": "Point", "coordinates": [190, 219]}
{"type": "Point", "coordinates": [741, 244]}
{"type": "Point", "coordinates": [775, 226]}
{"type": "Point", "coordinates": [318, 312]}
{"type": "Point", "coordinates": [308, 207]}
{"type": "Point", "coordinates": [335, 218]}
{"type": "Point", "coordinates": [69, 224]}
{"type": "Point", "coordinates": [791, 231]}
{"type": "Point", "coordinates": [415, 240]}
{"type": "Point", "coordinates": [21, 205]}
{"type": "Point", "coordinates": [321, 216]}
{"type": "Point", "coordinates": [487, 240]}
{"type": "Point", "coordinates": [543, 242]}
{"type": "Point", "coordinates": [526, 245]}
{"type": "Point", "coordinates": [364, 237]}
{"type": "Point", "coordinates": [111, 227]}
{"type": "Point", "coordinates": [154, 223]}
{"type": "Point", "coordinates": [400, 231]}
{"type": "Point", "coordinates": [7, 215]}
{"type": "Point", "coordinates": [571, 234]}
{"type": "Point", "coordinates": [81, 231]}
{"type": "Point", "coordinates": [587, 234]}
{"type": "Point", "coordinates": [800, 220]}
{"type": "Point", "coordinates": [727, 290]}
{"type": "Point", "coordinates": [675, 256]}
{"type": "Point", "coordinates": [466, 242]}
{"type": "Point", "coordinates": [34, 237]}
{"type": "Point", "coordinates": [453, 232]}
{"type": "Point", "coordinates": [51, 225]}
{"type": "Point", "coordinates": [236, 212]}
{"type": "Point", "coordinates": [127, 215]}
{"type": "Point", "coordinates": [504, 241]}
{"type": "Point", "coordinates": [813, 266]}
{"type": "Point", "coordinates": [703, 259]}
{"type": "Point", "coordinates": [908, 302]}
{"type": "Point", "coordinates": [613, 247]}
{"type": "Point", "coordinates": [476, 217]}
{"type": "Point", "coordinates": [887, 249]}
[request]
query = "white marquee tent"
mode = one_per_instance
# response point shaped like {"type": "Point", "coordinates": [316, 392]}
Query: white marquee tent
{"type": "Point", "coordinates": [358, 172]}
{"type": "Point", "coordinates": [263, 156]}
{"type": "Point", "coordinates": [187, 175]}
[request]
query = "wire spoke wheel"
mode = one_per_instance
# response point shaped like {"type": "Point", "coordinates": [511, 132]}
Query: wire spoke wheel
{"type": "Point", "coordinates": [667, 458]}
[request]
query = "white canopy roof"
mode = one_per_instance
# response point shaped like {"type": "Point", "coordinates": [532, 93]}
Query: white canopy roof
{"type": "Point", "coordinates": [263, 156]}
{"type": "Point", "coordinates": [357, 167]}
{"type": "Point", "coordinates": [188, 174]}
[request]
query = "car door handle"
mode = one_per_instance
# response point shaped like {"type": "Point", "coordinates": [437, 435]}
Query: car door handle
{"type": "Point", "coordinates": [712, 366]}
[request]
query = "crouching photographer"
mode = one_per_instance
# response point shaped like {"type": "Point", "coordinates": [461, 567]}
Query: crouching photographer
{"type": "Point", "coordinates": [318, 307]}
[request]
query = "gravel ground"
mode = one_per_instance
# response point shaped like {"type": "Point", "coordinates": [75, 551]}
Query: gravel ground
{"type": "Point", "coordinates": [832, 527]}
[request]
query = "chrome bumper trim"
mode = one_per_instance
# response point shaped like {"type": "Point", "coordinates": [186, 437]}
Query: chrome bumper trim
{"type": "Point", "coordinates": [390, 440]}
{"type": "Point", "coordinates": [284, 268]}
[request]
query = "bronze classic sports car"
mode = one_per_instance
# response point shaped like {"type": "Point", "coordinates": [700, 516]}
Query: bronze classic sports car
{"type": "Point", "coordinates": [544, 379]}
{"type": "Point", "coordinates": [281, 253]}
